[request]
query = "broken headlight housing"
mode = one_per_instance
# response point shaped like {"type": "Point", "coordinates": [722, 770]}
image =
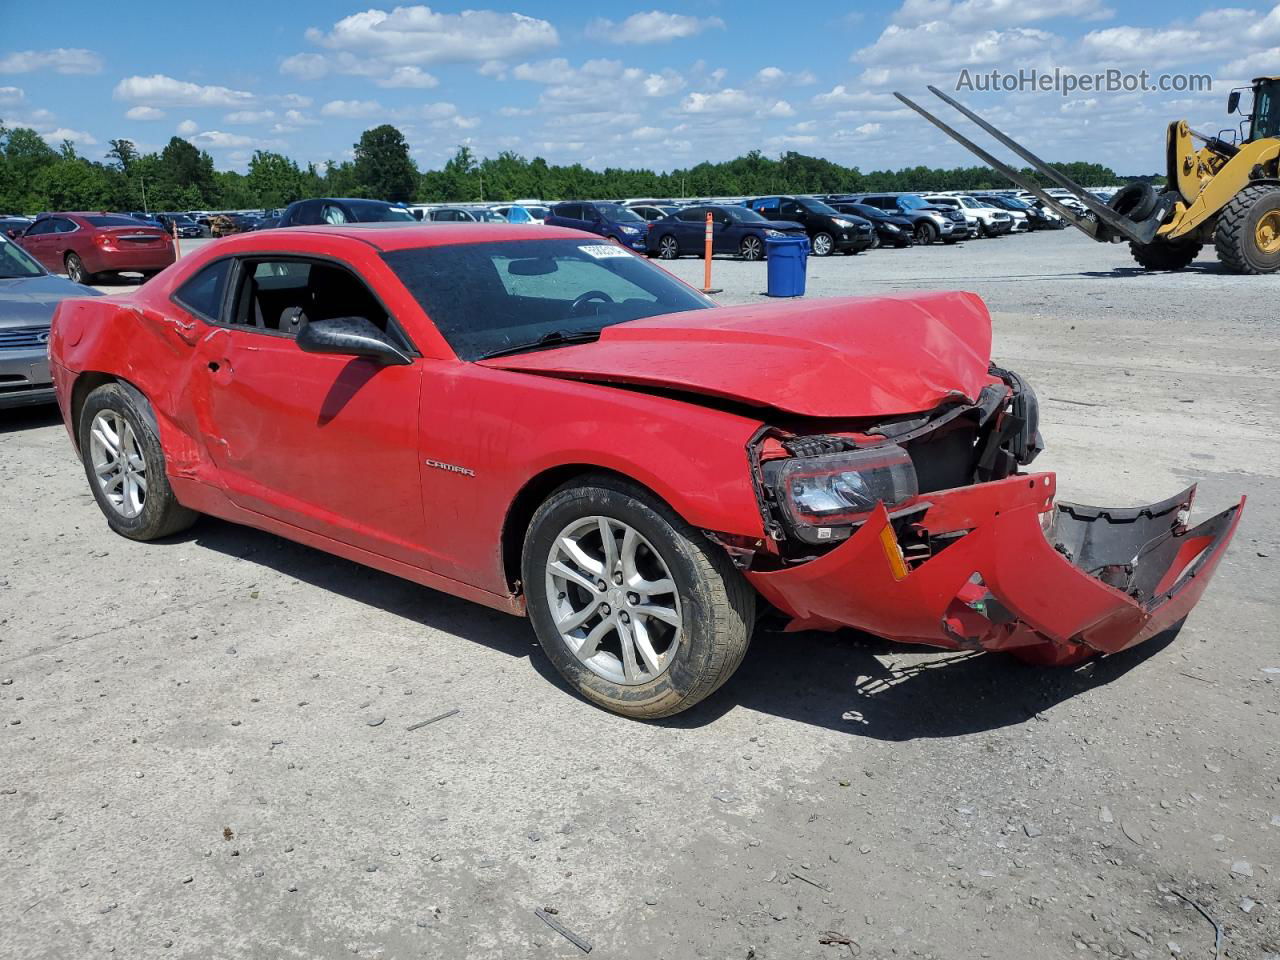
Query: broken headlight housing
{"type": "Point", "coordinates": [822, 497]}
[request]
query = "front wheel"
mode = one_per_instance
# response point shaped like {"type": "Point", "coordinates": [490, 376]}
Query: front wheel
{"type": "Point", "coordinates": [125, 465]}
{"type": "Point", "coordinates": [751, 248]}
{"type": "Point", "coordinates": [823, 244]}
{"type": "Point", "coordinates": [1162, 255]}
{"type": "Point", "coordinates": [1247, 237]}
{"type": "Point", "coordinates": [926, 232]}
{"type": "Point", "coordinates": [637, 610]}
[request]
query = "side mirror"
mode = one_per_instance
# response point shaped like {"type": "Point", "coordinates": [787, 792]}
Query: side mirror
{"type": "Point", "coordinates": [1233, 101]}
{"type": "Point", "coordinates": [351, 337]}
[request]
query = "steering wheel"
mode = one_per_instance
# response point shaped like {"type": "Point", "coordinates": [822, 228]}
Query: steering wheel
{"type": "Point", "coordinates": [587, 297]}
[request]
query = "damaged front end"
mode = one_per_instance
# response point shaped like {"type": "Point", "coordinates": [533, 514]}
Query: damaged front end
{"type": "Point", "coordinates": [922, 530]}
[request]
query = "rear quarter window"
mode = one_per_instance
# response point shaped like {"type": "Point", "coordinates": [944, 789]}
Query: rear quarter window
{"type": "Point", "coordinates": [203, 293]}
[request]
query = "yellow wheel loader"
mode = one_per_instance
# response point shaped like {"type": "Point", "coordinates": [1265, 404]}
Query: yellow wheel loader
{"type": "Point", "coordinates": [1223, 193]}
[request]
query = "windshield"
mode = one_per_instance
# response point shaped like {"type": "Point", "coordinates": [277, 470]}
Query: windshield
{"type": "Point", "coordinates": [16, 262]}
{"type": "Point", "coordinates": [618, 213]}
{"type": "Point", "coordinates": [1266, 110]}
{"type": "Point", "coordinates": [816, 206]}
{"type": "Point", "coordinates": [747, 215]}
{"type": "Point", "coordinates": [909, 201]}
{"type": "Point", "coordinates": [485, 297]}
{"type": "Point", "coordinates": [115, 220]}
{"type": "Point", "coordinates": [540, 213]}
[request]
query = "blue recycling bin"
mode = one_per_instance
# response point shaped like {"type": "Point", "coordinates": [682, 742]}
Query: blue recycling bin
{"type": "Point", "coordinates": [788, 259]}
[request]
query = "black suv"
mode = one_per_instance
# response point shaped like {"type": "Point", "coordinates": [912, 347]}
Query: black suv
{"type": "Point", "coordinates": [892, 229]}
{"type": "Point", "coordinates": [930, 223]}
{"type": "Point", "coordinates": [829, 230]}
{"type": "Point", "coordinates": [313, 213]}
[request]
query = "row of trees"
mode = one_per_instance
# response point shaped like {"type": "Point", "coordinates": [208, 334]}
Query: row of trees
{"type": "Point", "coordinates": [34, 176]}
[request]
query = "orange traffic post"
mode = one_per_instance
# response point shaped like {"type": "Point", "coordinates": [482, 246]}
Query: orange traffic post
{"type": "Point", "coordinates": [706, 273]}
{"type": "Point", "coordinates": [177, 243]}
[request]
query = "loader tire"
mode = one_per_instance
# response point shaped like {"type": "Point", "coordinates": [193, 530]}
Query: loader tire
{"type": "Point", "coordinates": [1247, 237]}
{"type": "Point", "coordinates": [1164, 256]}
{"type": "Point", "coordinates": [1136, 200]}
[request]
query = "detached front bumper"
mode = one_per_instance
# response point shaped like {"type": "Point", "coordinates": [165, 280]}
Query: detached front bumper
{"type": "Point", "coordinates": [1052, 583]}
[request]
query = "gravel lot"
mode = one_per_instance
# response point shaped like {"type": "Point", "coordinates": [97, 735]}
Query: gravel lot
{"type": "Point", "coordinates": [204, 748]}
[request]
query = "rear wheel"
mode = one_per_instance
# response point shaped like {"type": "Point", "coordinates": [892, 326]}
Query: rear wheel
{"type": "Point", "coordinates": [125, 465]}
{"type": "Point", "coordinates": [1164, 256]}
{"type": "Point", "coordinates": [751, 248]}
{"type": "Point", "coordinates": [1247, 237]}
{"type": "Point", "coordinates": [76, 271]}
{"type": "Point", "coordinates": [668, 248]}
{"type": "Point", "coordinates": [634, 608]}
{"type": "Point", "coordinates": [823, 244]}
{"type": "Point", "coordinates": [926, 232]}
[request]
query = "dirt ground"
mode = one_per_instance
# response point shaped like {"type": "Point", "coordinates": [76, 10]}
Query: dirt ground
{"type": "Point", "coordinates": [205, 753]}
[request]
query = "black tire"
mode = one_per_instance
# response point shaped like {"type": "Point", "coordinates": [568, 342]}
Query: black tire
{"type": "Point", "coordinates": [1136, 200]}
{"type": "Point", "coordinates": [1237, 236]}
{"type": "Point", "coordinates": [76, 271]}
{"type": "Point", "coordinates": [161, 514]}
{"type": "Point", "coordinates": [1164, 256]}
{"type": "Point", "coordinates": [717, 604]}
{"type": "Point", "coordinates": [926, 233]}
{"type": "Point", "coordinates": [751, 248]}
{"type": "Point", "coordinates": [875, 242]}
{"type": "Point", "coordinates": [823, 244]}
{"type": "Point", "coordinates": [668, 247]}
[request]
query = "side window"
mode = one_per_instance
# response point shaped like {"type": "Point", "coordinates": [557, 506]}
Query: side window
{"type": "Point", "coordinates": [333, 214]}
{"type": "Point", "coordinates": [692, 215]}
{"type": "Point", "coordinates": [63, 225]}
{"type": "Point", "coordinates": [570, 211]}
{"type": "Point", "coordinates": [279, 296]}
{"type": "Point", "coordinates": [38, 228]}
{"type": "Point", "coordinates": [789, 209]}
{"type": "Point", "coordinates": [202, 294]}
{"type": "Point", "coordinates": [720, 218]}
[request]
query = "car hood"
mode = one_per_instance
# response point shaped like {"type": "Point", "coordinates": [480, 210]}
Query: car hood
{"type": "Point", "coordinates": [790, 226]}
{"type": "Point", "coordinates": [848, 357]}
{"type": "Point", "coordinates": [30, 301]}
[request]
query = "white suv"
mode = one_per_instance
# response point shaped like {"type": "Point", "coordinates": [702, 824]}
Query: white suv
{"type": "Point", "coordinates": [991, 221]}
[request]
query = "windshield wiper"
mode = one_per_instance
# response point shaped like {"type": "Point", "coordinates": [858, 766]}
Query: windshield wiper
{"type": "Point", "coordinates": [555, 338]}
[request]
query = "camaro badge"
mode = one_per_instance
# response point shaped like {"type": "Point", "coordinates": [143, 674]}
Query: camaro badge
{"type": "Point", "coordinates": [451, 467]}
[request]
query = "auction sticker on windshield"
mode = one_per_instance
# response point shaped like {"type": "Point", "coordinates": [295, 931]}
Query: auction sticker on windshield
{"type": "Point", "coordinates": [603, 251]}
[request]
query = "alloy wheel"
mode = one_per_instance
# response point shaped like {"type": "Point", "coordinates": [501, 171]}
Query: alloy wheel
{"type": "Point", "coordinates": [751, 248]}
{"type": "Point", "coordinates": [118, 464]}
{"type": "Point", "coordinates": [613, 600]}
{"type": "Point", "coordinates": [668, 248]}
{"type": "Point", "coordinates": [821, 245]}
{"type": "Point", "coordinates": [75, 269]}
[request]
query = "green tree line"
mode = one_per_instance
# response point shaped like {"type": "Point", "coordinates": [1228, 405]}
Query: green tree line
{"type": "Point", "coordinates": [34, 177]}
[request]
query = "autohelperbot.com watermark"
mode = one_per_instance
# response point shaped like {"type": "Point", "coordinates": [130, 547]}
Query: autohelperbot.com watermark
{"type": "Point", "coordinates": [1069, 82]}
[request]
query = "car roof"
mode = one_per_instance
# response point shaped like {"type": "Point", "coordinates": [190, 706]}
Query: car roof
{"type": "Point", "coordinates": [400, 235]}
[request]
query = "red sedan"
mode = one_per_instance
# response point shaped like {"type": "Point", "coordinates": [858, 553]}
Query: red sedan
{"type": "Point", "coordinates": [554, 426]}
{"type": "Point", "coordinates": [86, 245]}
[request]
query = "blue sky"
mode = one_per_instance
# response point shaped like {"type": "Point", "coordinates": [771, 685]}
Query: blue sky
{"type": "Point", "coordinates": [619, 84]}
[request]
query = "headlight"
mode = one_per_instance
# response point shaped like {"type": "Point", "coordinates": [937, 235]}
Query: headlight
{"type": "Point", "coordinates": [770, 232]}
{"type": "Point", "coordinates": [843, 224]}
{"type": "Point", "coordinates": [822, 496]}
{"type": "Point", "coordinates": [892, 228]}
{"type": "Point", "coordinates": [626, 229]}
{"type": "Point", "coordinates": [934, 215]}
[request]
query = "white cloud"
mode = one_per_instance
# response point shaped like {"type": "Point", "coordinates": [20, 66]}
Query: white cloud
{"type": "Point", "coordinates": [596, 82]}
{"type": "Point", "coordinates": [776, 76]}
{"type": "Point", "coordinates": [216, 138]}
{"type": "Point", "coordinates": [999, 13]}
{"type": "Point", "coordinates": [61, 60]}
{"type": "Point", "coordinates": [250, 116]}
{"type": "Point", "coordinates": [730, 101]}
{"type": "Point", "coordinates": [159, 90]}
{"type": "Point", "coordinates": [867, 129]}
{"type": "Point", "coordinates": [144, 113]}
{"type": "Point", "coordinates": [294, 100]}
{"type": "Point", "coordinates": [420, 35]}
{"type": "Point", "coordinates": [305, 66]}
{"type": "Point", "coordinates": [11, 95]}
{"type": "Point", "coordinates": [80, 137]}
{"type": "Point", "coordinates": [350, 108]}
{"type": "Point", "coordinates": [938, 46]}
{"type": "Point", "coordinates": [655, 26]}
{"type": "Point", "coordinates": [188, 127]}
{"type": "Point", "coordinates": [408, 77]}
{"type": "Point", "coordinates": [1256, 64]}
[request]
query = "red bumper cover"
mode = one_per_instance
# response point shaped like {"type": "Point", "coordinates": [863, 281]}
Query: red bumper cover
{"type": "Point", "coordinates": [1052, 583]}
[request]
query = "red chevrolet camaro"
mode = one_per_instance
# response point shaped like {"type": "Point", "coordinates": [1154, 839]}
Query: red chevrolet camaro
{"type": "Point", "coordinates": [551, 425]}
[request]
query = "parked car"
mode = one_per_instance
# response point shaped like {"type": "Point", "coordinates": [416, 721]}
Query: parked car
{"type": "Point", "coordinates": [734, 230]}
{"type": "Point", "coordinates": [652, 212]}
{"type": "Point", "coordinates": [338, 210]}
{"type": "Point", "coordinates": [561, 428]}
{"type": "Point", "coordinates": [28, 296]}
{"type": "Point", "coordinates": [1038, 216]}
{"type": "Point", "coordinates": [990, 221]}
{"type": "Point", "coordinates": [12, 226]}
{"type": "Point", "coordinates": [87, 245]}
{"type": "Point", "coordinates": [609, 220]}
{"type": "Point", "coordinates": [465, 215]}
{"type": "Point", "coordinates": [930, 223]}
{"type": "Point", "coordinates": [828, 230]}
{"type": "Point", "coordinates": [532, 212]}
{"type": "Point", "coordinates": [892, 229]}
{"type": "Point", "coordinates": [180, 223]}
